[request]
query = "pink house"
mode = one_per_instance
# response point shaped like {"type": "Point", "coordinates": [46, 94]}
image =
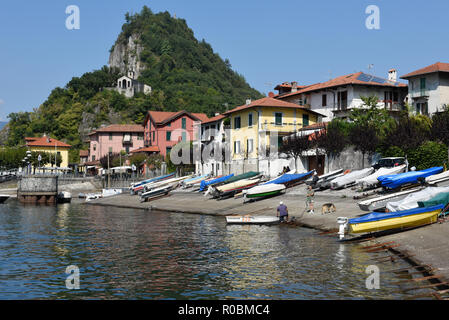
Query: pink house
{"type": "Point", "coordinates": [165, 129]}
{"type": "Point", "coordinates": [114, 139]}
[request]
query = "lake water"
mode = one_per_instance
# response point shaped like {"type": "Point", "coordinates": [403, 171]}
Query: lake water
{"type": "Point", "coordinates": [136, 254]}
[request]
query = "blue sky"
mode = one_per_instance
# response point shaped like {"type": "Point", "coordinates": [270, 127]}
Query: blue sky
{"type": "Point", "coordinates": [268, 42]}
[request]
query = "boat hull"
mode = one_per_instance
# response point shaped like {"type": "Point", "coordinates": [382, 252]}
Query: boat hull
{"type": "Point", "coordinates": [409, 221]}
{"type": "Point", "coordinates": [264, 194]}
{"type": "Point", "coordinates": [252, 220]}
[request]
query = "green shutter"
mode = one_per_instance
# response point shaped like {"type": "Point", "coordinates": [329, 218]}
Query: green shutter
{"type": "Point", "coordinates": [168, 135]}
{"type": "Point", "coordinates": [183, 123]}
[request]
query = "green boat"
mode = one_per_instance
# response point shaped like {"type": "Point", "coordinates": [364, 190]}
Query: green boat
{"type": "Point", "coordinates": [242, 176]}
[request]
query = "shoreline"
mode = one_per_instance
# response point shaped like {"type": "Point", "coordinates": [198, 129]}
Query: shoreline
{"type": "Point", "coordinates": [421, 246]}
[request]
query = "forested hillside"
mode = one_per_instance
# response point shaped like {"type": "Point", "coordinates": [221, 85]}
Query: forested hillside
{"type": "Point", "coordinates": [183, 72]}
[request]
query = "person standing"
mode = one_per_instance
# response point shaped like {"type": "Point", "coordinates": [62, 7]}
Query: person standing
{"type": "Point", "coordinates": [309, 199]}
{"type": "Point", "coordinates": [282, 212]}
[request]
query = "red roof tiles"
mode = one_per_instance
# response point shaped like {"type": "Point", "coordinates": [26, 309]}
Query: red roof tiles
{"type": "Point", "coordinates": [146, 149]}
{"type": "Point", "coordinates": [436, 67]}
{"type": "Point", "coordinates": [161, 117]}
{"type": "Point", "coordinates": [120, 128]}
{"type": "Point", "coordinates": [216, 118]}
{"type": "Point", "coordinates": [45, 142]}
{"type": "Point", "coordinates": [84, 153]}
{"type": "Point", "coordinates": [269, 102]}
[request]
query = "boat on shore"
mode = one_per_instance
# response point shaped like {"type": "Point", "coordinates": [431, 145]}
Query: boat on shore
{"type": "Point", "coordinates": [438, 178]}
{"type": "Point", "coordinates": [290, 180]}
{"type": "Point", "coordinates": [411, 200]}
{"type": "Point", "coordinates": [158, 192]}
{"type": "Point", "coordinates": [188, 183]}
{"type": "Point", "coordinates": [140, 185]}
{"type": "Point", "coordinates": [214, 181]}
{"type": "Point", "coordinates": [407, 178]}
{"type": "Point", "coordinates": [251, 219]}
{"type": "Point", "coordinates": [382, 201]}
{"type": "Point", "coordinates": [324, 177]}
{"type": "Point", "coordinates": [159, 184]}
{"type": "Point", "coordinates": [264, 190]}
{"type": "Point", "coordinates": [381, 221]}
{"type": "Point", "coordinates": [350, 178]}
{"type": "Point", "coordinates": [229, 189]}
{"type": "Point", "coordinates": [371, 180]}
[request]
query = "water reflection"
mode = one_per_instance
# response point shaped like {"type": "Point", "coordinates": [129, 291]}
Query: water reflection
{"type": "Point", "coordinates": [133, 254]}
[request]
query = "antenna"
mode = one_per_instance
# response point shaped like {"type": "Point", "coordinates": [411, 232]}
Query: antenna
{"type": "Point", "coordinates": [370, 66]}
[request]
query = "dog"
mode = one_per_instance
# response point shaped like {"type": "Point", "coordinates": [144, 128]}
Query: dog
{"type": "Point", "coordinates": [328, 208]}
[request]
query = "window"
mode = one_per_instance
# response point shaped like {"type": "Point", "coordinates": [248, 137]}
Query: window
{"type": "Point", "coordinates": [237, 123]}
{"type": "Point", "coordinates": [422, 83]}
{"type": "Point", "coordinates": [110, 149]}
{"type": "Point", "coordinates": [168, 135]}
{"type": "Point", "coordinates": [169, 124]}
{"type": "Point", "coordinates": [249, 146]}
{"type": "Point", "coordinates": [305, 120]}
{"type": "Point", "coordinates": [127, 149]}
{"type": "Point", "coordinates": [154, 135]}
{"type": "Point", "coordinates": [250, 120]}
{"type": "Point", "coordinates": [342, 98]}
{"type": "Point", "coordinates": [236, 147]}
{"type": "Point", "coordinates": [167, 150]}
{"type": "Point", "coordinates": [93, 157]}
{"type": "Point", "coordinates": [95, 147]}
{"type": "Point", "coordinates": [110, 135]}
{"type": "Point", "coordinates": [184, 136]}
{"type": "Point", "coordinates": [324, 100]}
{"type": "Point", "coordinates": [140, 136]}
{"type": "Point", "coordinates": [278, 118]}
{"type": "Point", "coordinates": [184, 123]}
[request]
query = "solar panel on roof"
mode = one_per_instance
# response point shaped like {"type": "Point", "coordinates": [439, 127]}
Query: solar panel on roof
{"type": "Point", "coordinates": [364, 77]}
{"type": "Point", "coordinates": [378, 80]}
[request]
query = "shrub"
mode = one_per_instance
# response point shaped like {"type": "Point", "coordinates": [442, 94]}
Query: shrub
{"type": "Point", "coordinates": [429, 154]}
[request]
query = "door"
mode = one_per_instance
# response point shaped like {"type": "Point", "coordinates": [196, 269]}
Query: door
{"type": "Point", "coordinates": [317, 163]}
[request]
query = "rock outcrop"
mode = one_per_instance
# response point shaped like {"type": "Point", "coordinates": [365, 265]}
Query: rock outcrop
{"type": "Point", "coordinates": [126, 56]}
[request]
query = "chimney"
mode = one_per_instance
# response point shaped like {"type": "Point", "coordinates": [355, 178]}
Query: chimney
{"type": "Point", "coordinates": [392, 75]}
{"type": "Point", "coordinates": [271, 94]}
{"type": "Point", "coordinates": [217, 114]}
{"type": "Point", "coordinates": [294, 86]}
{"type": "Point", "coordinates": [248, 101]}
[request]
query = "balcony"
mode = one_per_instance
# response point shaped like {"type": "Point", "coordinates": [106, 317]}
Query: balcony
{"type": "Point", "coordinates": [127, 139]}
{"type": "Point", "coordinates": [393, 105]}
{"type": "Point", "coordinates": [419, 93]}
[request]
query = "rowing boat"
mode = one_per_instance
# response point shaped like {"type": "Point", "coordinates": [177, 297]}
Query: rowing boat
{"type": "Point", "coordinates": [381, 202]}
{"type": "Point", "coordinates": [191, 181]}
{"type": "Point", "coordinates": [438, 178]}
{"type": "Point", "coordinates": [265, 190]}
{"type": "Point", "coordinates": [214, 181]}
{"type": "Point", "coordinates": [156, 193]}
{"type": "Point", "coordinates": [230, 189]}
{"type": "Point", "coordinates": [411, 201]}
{"type": "Point", "coordinates": [322, 178]}
{"type": "Point", "coordinates": [140, 185]}
{"type": "Point", "coordinates": [249, 219]}
{"type": "Point", "coordinates": [162, 183]}
{"type": "Point", "coordinates": [380, 221]}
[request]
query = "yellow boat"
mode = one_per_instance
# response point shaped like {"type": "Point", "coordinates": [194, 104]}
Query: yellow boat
{"type": "Point", "coordinates": [380, 221]}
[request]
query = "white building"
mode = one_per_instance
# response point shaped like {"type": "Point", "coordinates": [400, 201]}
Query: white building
{"type": "Point", "coordinates": [128, 86]}
{"type": "Point", "coordinates": [336, 97]}
{"type": "Point", "coordinates": [429, 88]}
{"type": "Point", "coordinates": [212, 138]}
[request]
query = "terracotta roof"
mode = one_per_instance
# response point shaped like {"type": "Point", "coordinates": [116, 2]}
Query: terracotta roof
{"type": "Point", "coordinates": [46, 142]}
{"type": "Point", "coordinates": [437, 67]}
{"type": "Point", "coordinates": [270, 102]}
{"type": "Point", "coordinates": [146, 149]}
{"type": "Point", "coordinates": [120, 128]}
{"type": "Point", "coordinates": [360, 78]}
{"type": "Point", "coordinates": [319, 125]}
{"type": "Point", "coordinates": [92, 163]}
{"type": "Point", "coordinates": [84, 153]}
{"type": "Point", "coordinates": [162, 117]}
{"type": "Point", "coordinates": [216, 118]}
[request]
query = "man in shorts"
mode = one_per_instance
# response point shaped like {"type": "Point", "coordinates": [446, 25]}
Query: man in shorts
{"type": "Point", "coordinates": [309, 199]}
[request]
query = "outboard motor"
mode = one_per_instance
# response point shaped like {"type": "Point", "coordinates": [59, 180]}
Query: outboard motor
{"type": "Point", "coordinates": [343, 224]}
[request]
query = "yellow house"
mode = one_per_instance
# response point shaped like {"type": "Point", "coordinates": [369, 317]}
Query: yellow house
{"type": "Point", "coordinates": [49, 145]}
{"type": "Point", "coordinates": [259, 126]}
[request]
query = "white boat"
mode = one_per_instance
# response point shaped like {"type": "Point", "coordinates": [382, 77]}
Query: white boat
{"type": "Point", "coordinates": [350, 178]}
{"type": "Point", "coordinates": [192, 181]}
{"type": "Point", "coordinates": [438, 178]}
{"type": "Point", "coordinates": [110, 192]}
{"type": "Point", "coordinates": [381, 202]}
{"type": "Point", "coordinates": [250, 219]}
{"type": "Point", "coordinates": [371, 180]}
{"type": "Point", "coordinates": [64, 197]}
{"type": "Point", "coordinates": [411, 201]}
{"type": "Point", "coordinates": [265, 190]}
{"type": "Point", "coordinates": [237, 186]}
{"type": "Point", "coordinates": [93, 196]}
{"type": "Point", "coordinates": [159, 184]}
{"type": "Point", "coordinates": [158, 192]}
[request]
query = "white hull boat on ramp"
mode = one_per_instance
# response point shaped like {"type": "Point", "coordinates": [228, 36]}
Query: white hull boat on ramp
{"type": "Point", "coordinates": [250, 219]}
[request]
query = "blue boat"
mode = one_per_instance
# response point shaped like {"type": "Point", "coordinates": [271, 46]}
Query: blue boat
{"type": "Point", "coordinates": [290, 179]}
{"type": "Point", "coordinates": [394, 181]}
{"type": "Point", "coordinates": [205, 183]}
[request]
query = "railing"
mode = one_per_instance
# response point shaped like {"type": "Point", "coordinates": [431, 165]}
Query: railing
{"type": "Point", "coordinates": [418, 93]}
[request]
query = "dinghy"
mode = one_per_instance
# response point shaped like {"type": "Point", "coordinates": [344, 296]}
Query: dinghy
{"type": "Point", "coordinates": [438, 178]}
{"type": "Point", "coordinates": [265, 190]}
{"type": "Point", "coordinates": [3, 197]}
{"type": "Point", "coordinates": [371, 180]}
{"type": "Point", "coordinates": [230, 189]}
{"type": "Point", "coordinates": [139, 186]}
{"type": "Point", "coordinates": [158, 192]}
{"type": "Point", "coordinates": [191, 181]}
{"type": "Point", "coordinates": [381, 202]}
{"type": "Point", "coordinates": [350, 178]}
{"type": "Point", "coordinates": [411, 177]}
{"type": "Point", "coordinates": [162, 183]}
{"type": "Point", "coordinates": [64, 197]}
{"type": "Point", "coordinates": [323, 178]}
{"type": "Point", "coordinates": [250, 219]}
